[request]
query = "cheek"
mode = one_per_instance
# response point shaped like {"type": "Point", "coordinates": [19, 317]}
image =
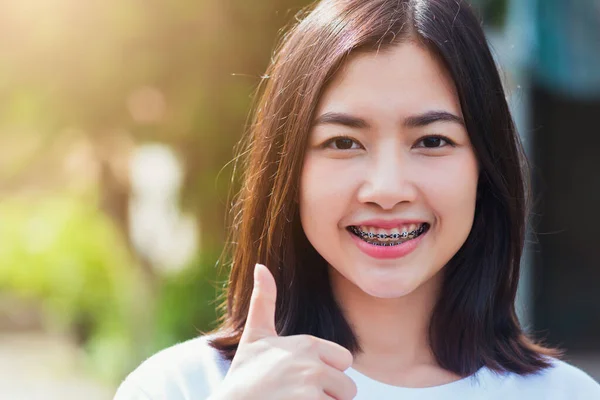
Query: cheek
{"type": "Point", "coordinates": [326, 188]}
{"type": "Point", "coordinates": [314, 201]}
{"type": "Point", "coordinates": [452, 192]}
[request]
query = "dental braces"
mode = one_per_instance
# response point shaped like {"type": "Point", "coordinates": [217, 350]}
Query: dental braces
{"type": "Point", "coordinates": [403, 235]}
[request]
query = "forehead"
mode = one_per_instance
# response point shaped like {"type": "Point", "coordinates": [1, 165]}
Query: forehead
{"type": "Point", "coordinates": [404, 79]}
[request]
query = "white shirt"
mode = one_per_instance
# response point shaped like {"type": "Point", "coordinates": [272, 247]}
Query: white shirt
{"type": "Point", "coordinates": [192, 370]}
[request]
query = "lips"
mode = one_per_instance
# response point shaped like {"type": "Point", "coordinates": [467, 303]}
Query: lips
{"type": "Point", "coordinates": [388, 248]}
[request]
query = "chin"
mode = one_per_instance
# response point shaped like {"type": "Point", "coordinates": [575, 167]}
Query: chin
{"type": "Point", "coordinates": [387, 293]}
{"type": "Point", "coordinates": [386, 288]}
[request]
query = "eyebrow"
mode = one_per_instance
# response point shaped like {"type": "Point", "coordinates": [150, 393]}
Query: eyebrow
{"type": "Point", "coordinates": [413, 121]}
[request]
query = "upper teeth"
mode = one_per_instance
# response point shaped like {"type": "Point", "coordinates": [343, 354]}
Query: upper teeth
{"type": "Point", "coordinates": [398, 230]}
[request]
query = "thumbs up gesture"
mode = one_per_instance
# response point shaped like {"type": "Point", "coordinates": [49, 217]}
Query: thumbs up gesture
{"type": "Point", "coordinates": [267, 366]}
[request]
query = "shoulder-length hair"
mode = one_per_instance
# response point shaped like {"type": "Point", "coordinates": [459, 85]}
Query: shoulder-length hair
{"type": "Point", "coordinates": [474, 323]}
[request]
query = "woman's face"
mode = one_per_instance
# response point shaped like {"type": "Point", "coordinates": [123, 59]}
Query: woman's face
{"type": "Point", "coordinates": [389, 182]}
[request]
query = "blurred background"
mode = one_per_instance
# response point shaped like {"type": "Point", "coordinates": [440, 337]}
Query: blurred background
{"type": "Point", "coordinates": [117, 125]}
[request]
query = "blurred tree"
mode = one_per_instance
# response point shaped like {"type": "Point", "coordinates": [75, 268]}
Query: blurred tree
{"type": "Point", "coordinates": [62, 251]}
{"type": "Point", "coordinates": [82, 84]}
{"type": "Point", "coordinates": [124, 72]}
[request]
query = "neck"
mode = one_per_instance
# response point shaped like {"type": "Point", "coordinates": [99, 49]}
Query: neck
{"type": "Point", "coordinates": [392, 332]}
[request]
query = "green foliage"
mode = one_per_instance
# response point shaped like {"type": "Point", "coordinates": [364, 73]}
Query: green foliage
{"type": "Point", "coordinates": [69, 256]}
{"type": "Point", "coordinates": [65, 253]}
{"type": "Point", "coordinates": [187, 302]}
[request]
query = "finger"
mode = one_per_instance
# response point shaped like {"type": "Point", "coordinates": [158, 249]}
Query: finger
{"type": "Point", "coordinates": [325, 396]}
{"type": "Point", "coordinates": [335, 355]}
{"type": "Point", "coordinates": [261, 313]}
{"type": "Point", "coordinates": [337, 384]}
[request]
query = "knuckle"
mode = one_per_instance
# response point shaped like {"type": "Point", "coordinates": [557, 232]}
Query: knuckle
{"type": "Point", "coordinates": [306, 393]}
{"type": "Point", "coordinates": [262, 345]}
{"type": "Point", "coordinates": [312, 375]}
{"type": "Point", "coordinates": [313, 393]}
{"type": "Point", "coordinates": [307, 343]}
{"type": "Point", "coordinates": [352, 389]}
{"type": "Point", "coordinates": [270, 342]}
{"type": "Point", "coordinates": [347, 358]}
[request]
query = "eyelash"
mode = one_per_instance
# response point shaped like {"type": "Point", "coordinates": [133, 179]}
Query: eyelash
{"type": "Point", "coordinates": [449, 142]}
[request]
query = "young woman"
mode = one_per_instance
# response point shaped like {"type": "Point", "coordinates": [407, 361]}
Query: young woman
{"type": "Point", "coordinates": [385, 193]}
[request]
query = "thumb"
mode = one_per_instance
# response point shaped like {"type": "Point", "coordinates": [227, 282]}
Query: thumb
{"type": "Point", "coordinates": [261, 313]}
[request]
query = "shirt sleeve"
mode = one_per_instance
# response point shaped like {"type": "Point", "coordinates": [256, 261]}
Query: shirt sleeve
{"type": "Point", "coordinates": [186, 371]}
{"type": "Point", "coordinates": [572, 383]}
{"type": "Point", "coordinates": [146, 386]}
{"type": "Point", "coordinates": [129, 390]}
{"type": "Point", "coordinates": [587, 388]}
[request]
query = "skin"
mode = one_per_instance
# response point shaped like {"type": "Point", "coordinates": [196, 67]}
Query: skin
{"type": "Point", "coordinates": [390, 168]}
{"type": "Point", "coordinates": [297, 367]}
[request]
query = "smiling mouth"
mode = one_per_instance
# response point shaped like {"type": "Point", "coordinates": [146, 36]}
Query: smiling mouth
{"type": "Point", "coordinates": [393, 239]}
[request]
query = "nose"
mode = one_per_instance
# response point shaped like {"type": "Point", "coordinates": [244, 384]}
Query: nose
{"type": "Point", "coordinates": [388, 180]}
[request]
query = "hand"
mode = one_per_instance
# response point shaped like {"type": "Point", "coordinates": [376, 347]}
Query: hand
{"type": "Point", "coordinates": [270, 367]}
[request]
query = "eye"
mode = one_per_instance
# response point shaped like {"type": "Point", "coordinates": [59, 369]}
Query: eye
{"type": "Point", "coordinates": [435, 142]}
{"type": "Point", "coordinates": [342, 143]}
